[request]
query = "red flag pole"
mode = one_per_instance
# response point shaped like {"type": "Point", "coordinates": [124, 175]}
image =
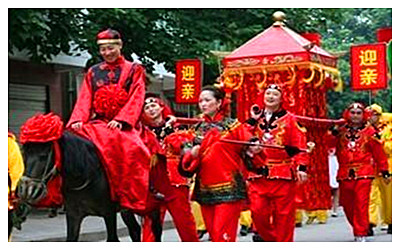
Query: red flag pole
{"type": "Point", "coordinates": [321, 120]}
{"type": "Point", "coordinates": [184, 120]}
{"type": "Point", "coordinates": [310, 145]}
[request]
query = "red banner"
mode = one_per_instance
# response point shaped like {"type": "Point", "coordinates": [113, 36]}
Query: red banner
{"type": "Point", "coordinates": [384, 34]}
{"type": "Point", "coordinates": [188, 78]}
{"type": "Point", "coordinates": [368, 66]}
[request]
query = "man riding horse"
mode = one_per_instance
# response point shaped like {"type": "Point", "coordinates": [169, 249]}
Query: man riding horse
{"type": "Point", "coordinates": [106, 112]}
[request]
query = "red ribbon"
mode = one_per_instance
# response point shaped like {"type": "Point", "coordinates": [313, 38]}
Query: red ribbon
{"type": "Point", "coordinates": [57, 155]}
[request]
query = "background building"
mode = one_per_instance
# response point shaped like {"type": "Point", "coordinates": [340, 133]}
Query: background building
{"type": "Point", "coordinates": [39, 88]}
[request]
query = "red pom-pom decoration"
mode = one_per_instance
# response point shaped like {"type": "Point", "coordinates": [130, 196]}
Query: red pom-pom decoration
{"type": "Point", "coordinates": [41, 128]}
{"type": "Point", "coordinates": [109, 100]}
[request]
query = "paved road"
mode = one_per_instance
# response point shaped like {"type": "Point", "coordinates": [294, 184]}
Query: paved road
{"type": "Point", "coordinates": [336, 230]}
{"type": "Point", "coordinates": [39, 227]}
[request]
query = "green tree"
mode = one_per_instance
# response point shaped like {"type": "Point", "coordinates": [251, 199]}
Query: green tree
{"type": "Point", "coordinates": [162, 35]}
{"type": "Point", "coordinates": [44, 33]}
{"type": "Point", "coordinates": [357, 27]}
{"type": "Point", "coordinates": [166, 35]}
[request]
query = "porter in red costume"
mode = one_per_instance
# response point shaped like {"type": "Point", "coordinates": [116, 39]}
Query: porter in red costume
{"type": "Point", "coordinates": [154, 114]}
{"type": "Point", "coordinates": [359, 152]}
{"type": "Point", "coordinates": [219, 186]}
{"type": "Point", "coordinates": [107, 112]}
{"type": "Point", "coordinates": [273, 172]}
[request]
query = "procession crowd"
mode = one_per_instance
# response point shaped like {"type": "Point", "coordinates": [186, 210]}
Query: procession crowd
{"type": "Point", "coordinates": [213, 173]}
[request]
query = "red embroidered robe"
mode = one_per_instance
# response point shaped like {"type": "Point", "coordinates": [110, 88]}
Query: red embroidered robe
{"type": "Point", "coordinates": [125, 157]}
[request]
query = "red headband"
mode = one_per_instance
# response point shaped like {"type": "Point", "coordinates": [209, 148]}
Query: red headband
{"type": "Point", "coordinates": [166, 109]}
{"type": "Point", "coordinates": [274, 86]}
{"type": "Point", "coordinates": [356, 105]}
{"type": "Point", "coordinates": [108, 36]}
{"type": "Point", "coordinates": [152, 99]}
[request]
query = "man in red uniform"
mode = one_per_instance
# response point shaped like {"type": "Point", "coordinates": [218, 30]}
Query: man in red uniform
{"type": "Point", "coordinates": [359, 152]}
{"type": "Point", "coordinates": [273, 172]}
{"type": "Point", "coordinates": [177, 203]}
{"type": "Point", "coordinates": [107, 112]}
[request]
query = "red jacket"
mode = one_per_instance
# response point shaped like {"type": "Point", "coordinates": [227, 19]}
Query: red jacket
{"type": "Point", "coordinates": [358, 152]}
{"type": "Point", "coordinates": [173, 145]}
{"type": "Point", "coordinates": [128, 76]}
{"type": "Point", "coordinates": [219, 167]}
{"type": "Point", "coordinates": [283, 130]}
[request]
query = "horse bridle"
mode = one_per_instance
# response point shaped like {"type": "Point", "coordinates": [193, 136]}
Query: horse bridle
{"type": "Point", "coordinates": [55, 170]}
{"type": "Point", "coordinates": [47, 175]}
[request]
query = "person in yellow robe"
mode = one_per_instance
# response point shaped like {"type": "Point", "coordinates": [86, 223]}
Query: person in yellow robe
{"type": "Point", "coordinates": [380, 204]}
{"type": "Point", "coordinates": [15, 171]}
{"type": "Point", "coordinates": [386, 188]}
{"type": "Point", "coordinates": [198, 218]}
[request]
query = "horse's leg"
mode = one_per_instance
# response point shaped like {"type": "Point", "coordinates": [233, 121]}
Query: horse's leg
{"type": "Point", "coordinates": [133, 226]}
{"type": "Point", "coordinates": [111, 225]}
{"type": "Point", "coordinates": [156, 226]}
{"type": "Point", "coordinates": [73, 226]}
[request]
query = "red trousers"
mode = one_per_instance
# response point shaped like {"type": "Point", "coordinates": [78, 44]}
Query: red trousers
{"type": "Point", "coordinates": [222, 220]}
{"type": "Point", "coordinates": [354, 197]}
{"type": "Point", "coordinates": [272, 205]}
{"type": "Point", "coordinates": [180, 210]}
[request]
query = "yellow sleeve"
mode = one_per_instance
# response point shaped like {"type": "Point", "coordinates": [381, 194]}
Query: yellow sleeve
{"type": "Point", "coordinates": [387, 144]}
{"type": "Point", "coordinates": [387, 140]}
{"type": "Point", "coordinates": [15, 162]}
{"type": "Point", "coordinates": [388, 148]}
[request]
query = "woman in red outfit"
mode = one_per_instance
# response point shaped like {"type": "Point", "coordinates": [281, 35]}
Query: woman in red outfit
{"type": "Point", "coordinates": [220, 187]}
{"type": "Point", "coordinates": [360, 155]}
{"type": "Point", "coordinates": [106, 112]}
{"type": "Point", "coordinates": [274, 172]}
{"type": "Point", "coordinates": [155, 113]}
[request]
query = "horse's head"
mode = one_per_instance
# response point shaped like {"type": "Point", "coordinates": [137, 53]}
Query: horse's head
{"type": "Point", "coordinates": [39, 169]}
{"type": "Point", "coordinates": [41, 152]}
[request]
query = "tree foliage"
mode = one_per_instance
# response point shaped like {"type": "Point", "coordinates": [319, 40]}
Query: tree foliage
{"type": "Point", "coordinates": [162, 35]}
{"type": "Point", "coordinates": [43, 33]}
{"type": "Point", "coordinates": [358, 26]}
{"type": "Point", "coordinates": [166, 35]}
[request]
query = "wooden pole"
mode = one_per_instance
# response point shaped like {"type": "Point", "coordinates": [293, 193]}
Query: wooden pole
{"type": "Point", "coordinates": [370, 98]}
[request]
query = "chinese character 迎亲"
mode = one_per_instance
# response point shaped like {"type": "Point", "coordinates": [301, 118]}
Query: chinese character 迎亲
{"type": "Point", "coordinates": [187, 91]}
{"type": "Point", "coordinates": [368, 58]}
{"type": "Point", "coordinates": [368, 76]}
{"type": "Point", "coordinates": [188, 73]}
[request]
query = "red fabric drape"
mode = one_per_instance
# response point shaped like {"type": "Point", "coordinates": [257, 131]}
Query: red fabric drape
{"type": "Point", "coordinates": [304, 99]}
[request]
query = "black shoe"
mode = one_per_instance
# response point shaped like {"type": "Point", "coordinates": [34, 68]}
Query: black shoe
{"type": "Point", "coordinates": [62, 211]}
{"type": "Point", "coordinates": [244, 230]}
{"type": "Point", "coordinates": [257, 238]}
{"type": "Point", "coordinates": [390, 229]}
{"type": "Point", "coordinates": [201, 233]}
{"type": "Point", "coordinates": [299, 224]}
{"type": "Point", "coordinates": [52, 213]}
{"type": "Point", "coordinates": [371, 230]}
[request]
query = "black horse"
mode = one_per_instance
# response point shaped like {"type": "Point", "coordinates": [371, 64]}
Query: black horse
{"type": "Point", "coordinates": [85, 187]}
